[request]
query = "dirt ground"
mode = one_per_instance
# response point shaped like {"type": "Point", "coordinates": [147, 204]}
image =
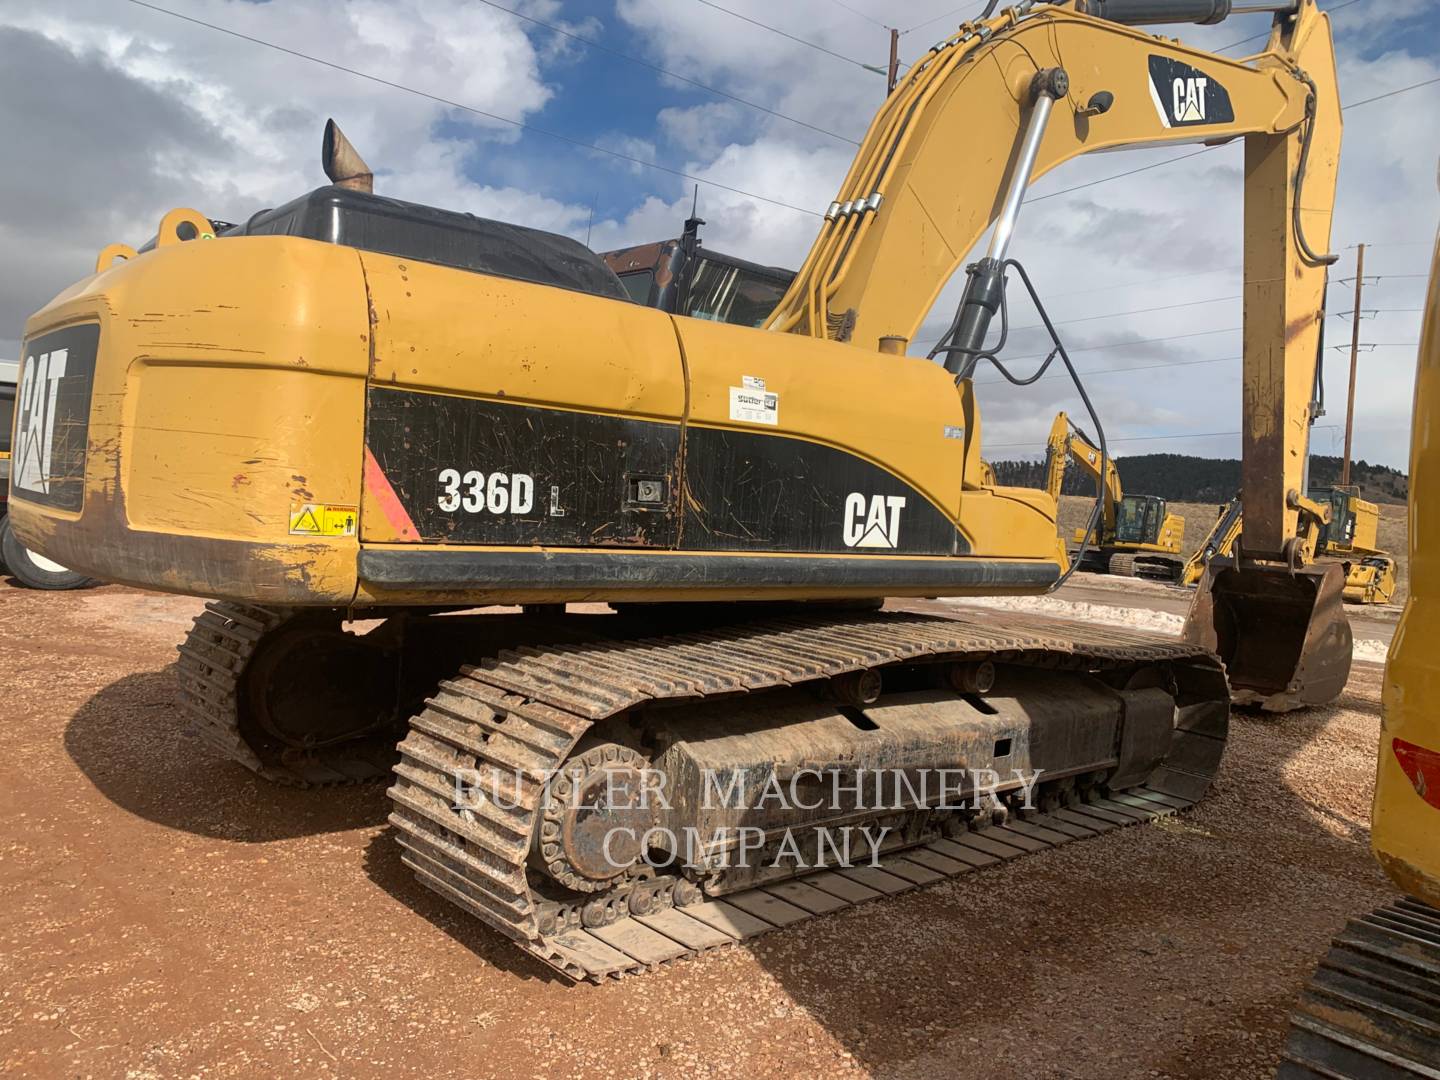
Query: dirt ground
{"type": "Point", "coordinates": [168, 915]}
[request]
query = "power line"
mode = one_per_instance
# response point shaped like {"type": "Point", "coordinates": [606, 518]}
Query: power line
{"type": "Point", "coordinates": [947, 15]}
{"type": "Point", "coordinates": [789, 36]}
{"type": "Point", "coordinates": [1168, 435]}
{"type": "Point", "coordinates": [631, 159]}
{"type": "Point", "coordinates": [1117, 176]}
{"type": "Point", "coordinates": [663, 71]}
{"type": "Point", "coordinates": [477, 111]}
{"type": "Point", "coordinates": [1266, 34]}
{"type": "Point", "coordinates": [1121, 314]}
{"type": "Point", "coordinates": [861, 14]}
{"type": "Point", "coordinates": [1391, 93]}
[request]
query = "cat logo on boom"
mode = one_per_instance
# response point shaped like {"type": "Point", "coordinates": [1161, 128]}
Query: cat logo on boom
{"type": "Point", "coordinates": [1185, 96]}
{"type": "Point", "coordinates": [873, 522]}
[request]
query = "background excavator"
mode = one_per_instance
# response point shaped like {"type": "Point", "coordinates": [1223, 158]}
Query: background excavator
{"type": "Point", "coordinates": [357, 408]}
{"type": "Point", "coordinates": [1137, 535]}
{"type": "Point", "coordinates": [1219, 543]}
{"type": "Point", "coordinates": [1372, 1011]}
{"type": "Point", "coordinates": [1352, 536]}
{"type": "Point", "coordinates": [1348, 534]}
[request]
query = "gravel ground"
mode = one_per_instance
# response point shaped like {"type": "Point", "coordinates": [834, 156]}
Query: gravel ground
{"type": "Point", "coordinates": [169, 915]}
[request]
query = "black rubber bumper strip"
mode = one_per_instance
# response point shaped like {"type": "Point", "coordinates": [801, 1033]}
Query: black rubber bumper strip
{"type": "Point", "coordinates": [429, 568]}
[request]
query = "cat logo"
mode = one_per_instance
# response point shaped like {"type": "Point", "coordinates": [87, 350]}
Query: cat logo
{"type": "Point", "coordinates": [873, 522]}
{"type": "Point", "coordinates": [1188, 100]}
{"type": "Point", "coordinates": [1185, 96]}
{"type": "Point", "coordinates": [35, 432]}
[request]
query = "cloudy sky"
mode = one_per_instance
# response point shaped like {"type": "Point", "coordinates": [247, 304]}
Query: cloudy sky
{"type": "Point", "coordinates": [111, 112]}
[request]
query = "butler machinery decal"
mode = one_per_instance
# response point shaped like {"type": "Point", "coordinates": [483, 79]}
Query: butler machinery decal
{"type": "Point", "coordinates": [1187, 97]}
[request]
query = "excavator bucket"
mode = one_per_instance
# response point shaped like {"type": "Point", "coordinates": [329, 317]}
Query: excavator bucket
{"type": "Point", "coordinates": [1283, 636]}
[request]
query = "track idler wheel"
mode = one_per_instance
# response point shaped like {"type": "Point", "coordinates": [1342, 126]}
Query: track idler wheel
{"type": "Point", "coordinates": [1282, 634]}
{"type": "Point", "coordinates": [311, 685]}
{"type": "Point", "coordinates": [596, 814]}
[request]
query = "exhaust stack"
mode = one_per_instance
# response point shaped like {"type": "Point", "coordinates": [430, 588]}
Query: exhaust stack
{"type": "Point", "coordinates": [342, 163]}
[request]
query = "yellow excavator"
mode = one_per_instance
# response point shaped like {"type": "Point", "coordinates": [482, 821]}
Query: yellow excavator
{"type": "Point", "coordinates": [1352, 536]}
{"type": "Point", "coordinates": [1372, 1011]}
{"type": "Point", "coordinates": [356, 408]}
{"type": "Point", "coordinates": [1348, 535]}
{"type": "Point", "coordinates": [1219, 543]}
{"type": "Point", "coordinates": [1137, 535]}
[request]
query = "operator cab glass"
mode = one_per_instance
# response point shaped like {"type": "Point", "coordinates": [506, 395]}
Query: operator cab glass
{"type": "Point", "coordinates": [731, 292]}
{"type": "Point", "coordinates": [1138, 518]}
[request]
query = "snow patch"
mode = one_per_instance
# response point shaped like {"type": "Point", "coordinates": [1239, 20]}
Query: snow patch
{"type": "Point", "coordinates": [1161, 622]}
{"type": "Point", "coordinates": [1372, 650]}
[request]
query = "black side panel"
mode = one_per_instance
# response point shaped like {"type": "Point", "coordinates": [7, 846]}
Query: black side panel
{"type": "Point", "coordinates": [52, 422]}
{"type": "Point", "coordinates": [479, 472]}
{"type": "Point", "coordinates": [761, 492]}
{"type": "Point", "coordinates": [482, 472]}
{"type": "Point", "coordinates": [606, 571]}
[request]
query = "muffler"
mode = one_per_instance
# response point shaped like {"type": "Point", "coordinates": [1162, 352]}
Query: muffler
{"type": "Point", "coordinates": [1283, 635]}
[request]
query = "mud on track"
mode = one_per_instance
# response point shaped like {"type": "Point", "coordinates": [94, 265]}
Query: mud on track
{"type": "Point", "coordinates": [168, 914]}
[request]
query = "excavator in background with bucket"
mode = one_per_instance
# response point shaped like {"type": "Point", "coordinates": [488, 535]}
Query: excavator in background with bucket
{"type": "Point", "coordinates": [1352, 537]}
{"type": "Point", "coordinates": [1372, 1010]}
{"type": "Point", "coordinates": [1349, 536]}
{"type": "Point", "coordinates": [1137, 535]}
{"type": "Point", "coordinates": [1219, 543]}
{"type": "Point", "coordinates": [355, 408]}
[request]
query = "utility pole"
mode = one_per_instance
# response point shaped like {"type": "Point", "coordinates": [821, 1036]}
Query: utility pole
{"type": "Point", "coordinates": [894, 60]}
{"type": "Point", "coordinates": [1354, 360]}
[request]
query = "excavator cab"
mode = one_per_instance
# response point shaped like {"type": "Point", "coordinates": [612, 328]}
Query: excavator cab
{"type": "Point", "coordinates": [1138, 519]}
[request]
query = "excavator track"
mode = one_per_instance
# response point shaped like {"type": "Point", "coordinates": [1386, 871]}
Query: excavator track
{"type": "Point", "coordinates": [517, 718]}
{"type": "Point", "coordinates": [1372, 1011]}
{"type": "Point", "coordinates": [213, 660]}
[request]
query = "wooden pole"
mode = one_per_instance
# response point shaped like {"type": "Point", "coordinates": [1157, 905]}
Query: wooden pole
{"type": "Point", "coordinates": [1354, 361]}
{"type": "Point", "coordinates": [894, 60]}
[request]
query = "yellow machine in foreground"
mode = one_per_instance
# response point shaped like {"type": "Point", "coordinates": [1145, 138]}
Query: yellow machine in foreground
{"type": "Point", "coordinates": [1373, 1008]}
{"type": "Point", "coordinates": [1137, 535]}
{"type": "Point", "coordinates": [353, 407]}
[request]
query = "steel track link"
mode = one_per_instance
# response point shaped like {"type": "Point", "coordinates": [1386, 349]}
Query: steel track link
{"type": "Point", "coordinates": [213, 658]}
{"type": "Point", "coordinates": [515, 719]}
{"type": "Point", "coordinates": [1373, 1008]}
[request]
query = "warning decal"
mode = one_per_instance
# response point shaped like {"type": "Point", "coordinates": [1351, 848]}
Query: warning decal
{"type": "Point", "coordinates": [321, 519]}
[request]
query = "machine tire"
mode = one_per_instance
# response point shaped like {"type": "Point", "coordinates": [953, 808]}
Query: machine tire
{"type": "Point", "coordinates": [35, 571]}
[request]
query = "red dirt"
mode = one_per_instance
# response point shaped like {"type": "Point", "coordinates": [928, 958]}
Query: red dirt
{"type": "Point", "coordinates": [167, 914]}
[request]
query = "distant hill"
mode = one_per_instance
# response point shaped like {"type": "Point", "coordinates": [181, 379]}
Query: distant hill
{"type": "Point", "coordinates": [1183, 478]}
